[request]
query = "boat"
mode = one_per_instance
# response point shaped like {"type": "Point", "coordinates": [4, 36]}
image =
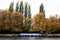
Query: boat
{"type": "Point", "coordinates": [30, 35]}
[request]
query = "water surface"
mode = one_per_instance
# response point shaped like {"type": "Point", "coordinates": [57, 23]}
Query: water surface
{"type": "Point", "coordinates": [28, 38]}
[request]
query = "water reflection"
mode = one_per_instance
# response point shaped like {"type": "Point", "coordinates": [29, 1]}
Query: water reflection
{"type": "Point", "coordinates": [31, 38]}
{"type": "Point", "coordinates": [38, 38]}
{"type": "Point", "coordinates": [28, 38]}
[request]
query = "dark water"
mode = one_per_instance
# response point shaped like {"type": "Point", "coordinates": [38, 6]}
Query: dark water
{"type": "Point", "coordinates": [28, 38]}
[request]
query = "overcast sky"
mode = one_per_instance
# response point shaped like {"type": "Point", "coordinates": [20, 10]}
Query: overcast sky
{"type": "Point", "coordinates": [52, 7]}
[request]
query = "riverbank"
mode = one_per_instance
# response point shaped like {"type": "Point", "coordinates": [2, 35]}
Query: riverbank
{"type": "Point", "coordinates": [8, 35]}
{"type": "Point", "coordinates": [29, 35]}
{"type": "Point", "coordinates": [52, 35]}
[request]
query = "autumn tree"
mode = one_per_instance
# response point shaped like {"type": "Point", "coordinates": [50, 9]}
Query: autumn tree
{"type": "Point", "coordinates": [37, 26]}
{"type": "Point", "coordinates": [17, 22]}
{"type": "Point", "coordinates": [12, 22]}
{"type": "Point", "coordinates": [5, 19]}
{"type": "Point", "coordinates": [55, 23]}
{"type": "Point", "coordinates": [48, 25]}
{"type": "Point", "coordinates": [27, 24]}
{"type": "Point", "coordinates": [45, 25]}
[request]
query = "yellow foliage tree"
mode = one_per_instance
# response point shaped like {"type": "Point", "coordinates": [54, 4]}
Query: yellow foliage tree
{"type": "Point", "coordinates": [11, 21]}
{"type": "Point", "coordinates": [38, 21]}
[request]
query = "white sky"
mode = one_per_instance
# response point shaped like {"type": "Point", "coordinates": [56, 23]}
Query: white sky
{"type": "Point", "coordinates": [52, 7]}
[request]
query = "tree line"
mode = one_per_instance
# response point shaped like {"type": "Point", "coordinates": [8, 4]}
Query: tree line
{"type": "Point", "coordinates": [25, 9]}
{"type": "Point", "coordinates": [19, 20]}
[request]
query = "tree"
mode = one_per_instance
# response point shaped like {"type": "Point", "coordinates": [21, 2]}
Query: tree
{"type": "Point", "coordinates": [38, 23]}
{"type": "Point", "coordinates": [11, 7]}
{"type": "Point", "coordinates": [55, 23]}
{"type": "Point", "coordinates": [29, 11]}
{"type": "Point", "coordinates": [48, 26]}
{"type": "Point", "coordinates": [11, 22]}
{"type": "Point", "coordinates": [17, 7]}
{"type": "Point", "coordinates": [21, 7]}
{"type": "Point", "coordinates": [29, 15]}
{"type": "Point", "coordinates": [44, 13]}
{"type": "Point", "coordinates": [27, 25]}
{"type": "Point", "coordinates": [41, 8]}
{"type": "Point", "coordinates": [5, 20]}
{"type": "Point", "coordinates": [26, 10]}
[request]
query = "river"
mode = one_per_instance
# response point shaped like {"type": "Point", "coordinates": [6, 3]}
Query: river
{"type": "Point", "coordinates": [28, 38]}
